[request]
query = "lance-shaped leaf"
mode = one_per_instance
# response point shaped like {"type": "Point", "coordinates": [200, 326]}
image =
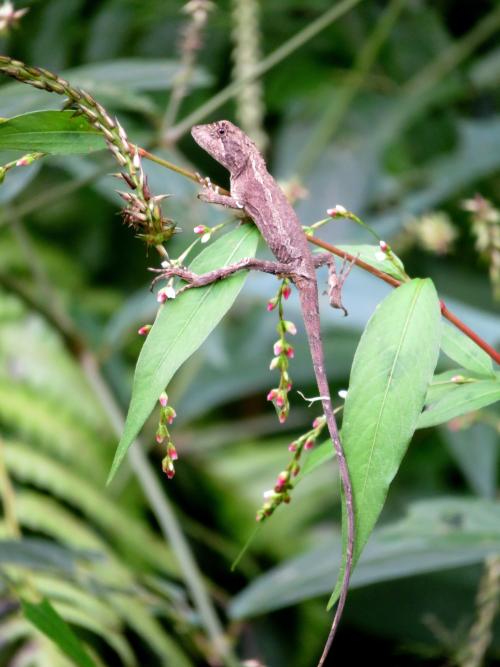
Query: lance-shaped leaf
{"type": "Point", "coordinates": [181, 327]}
{"type": "Point", "coordinates": [46, 619]}
{"type": "Point", "coordinates": [51, 132]}
{"type": "Point", "coordinates": [392, 368]}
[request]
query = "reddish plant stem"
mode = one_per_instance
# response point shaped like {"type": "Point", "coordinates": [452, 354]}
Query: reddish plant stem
{"type": "Point", "coordinates": [446, 312]}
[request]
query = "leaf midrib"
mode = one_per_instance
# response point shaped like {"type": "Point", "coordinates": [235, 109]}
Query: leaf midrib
{"type": "Point", "coordinates": [391, 374]}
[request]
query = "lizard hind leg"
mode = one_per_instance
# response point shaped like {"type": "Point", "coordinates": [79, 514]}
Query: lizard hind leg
{"type": "Point", "coordinates": [336, 279]}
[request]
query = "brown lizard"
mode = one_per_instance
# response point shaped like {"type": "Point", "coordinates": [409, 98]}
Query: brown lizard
{"type": "Point", "coordinates": [256, 193]}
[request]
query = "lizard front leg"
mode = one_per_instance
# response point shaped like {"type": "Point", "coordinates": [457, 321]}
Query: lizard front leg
{"type": "Point", "coordinates": [200, 280]}
{"type": "Point", "coordinates": [211, 195]}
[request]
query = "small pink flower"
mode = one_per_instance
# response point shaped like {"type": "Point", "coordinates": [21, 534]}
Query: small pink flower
{"type": "Point", "coordinates": [172, 452]}
{"type": "Point", "coordinates": [159, 438]}
{"type": "Point", "coordinates": [162, 295]}
{"type": "Point", "coordinates": [282, 417]}
{"type": "Point", "coordinates": [277, 348]}
{"type": "Point", "coordinates": [163, 399]}
{"type": "Point", "coordinates": [200, 229]}
{"type": "Point", "coordinates": [309, 443]}
{"type": "Point", "coordinates": [290, 328]}
{"type": "Point", "coordinates": [286, 291]}
{"type": "Point", "coordinates": [280, 401]}
{"type": "Point", "coordinates": [292, 447]}
{"type": "Point", "coordinates": [271, 304]}
{"type": "Point", "coordinates": [290, 352]}
{"type": "Point", "coordinates": [383, 246]}
{"type": "Point", "coordinates": [23, 162]}
{"type": "Point", "coordinates": [289, 386]}
{"type": "Point", "coordinates": [338, 209]}
{"type": "Point", "coordinates": [316, 422]}
{"type": "Point", "coordinates": [144, 330]}
{"type": "Point", "coordinates": [171, 416]}
{"type": "Point", "coordinates": [272, 395]}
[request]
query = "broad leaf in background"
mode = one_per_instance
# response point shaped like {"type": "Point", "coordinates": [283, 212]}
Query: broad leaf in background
{"type": "Point", "coordinates": [46, 619]}
{"type": "Point", "coordinates": [181, 327]}
{"type": "Point", "coordinates": [391, 371]}
{"type": "Point", "coordinates": [472, 395]}
{"type": "Point", "coordinates": [458, 347]}
{"type": "Point", "coordinates": [475, 450]}
{"type": "Point", "coordinates": [52, 132]}
{"type": "Point", "coordinates": [435, 535]}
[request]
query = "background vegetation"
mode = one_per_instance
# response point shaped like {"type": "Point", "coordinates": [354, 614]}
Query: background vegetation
{"type": "Point", "coordinates": [391, 111]}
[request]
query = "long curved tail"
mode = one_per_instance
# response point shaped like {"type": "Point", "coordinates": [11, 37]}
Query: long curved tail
{"type": "Point", "coordinates": [308, 293]}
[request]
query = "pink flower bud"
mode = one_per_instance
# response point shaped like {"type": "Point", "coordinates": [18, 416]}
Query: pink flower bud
{"type": "Point", "coordinates": [172, 452]}
{"type": "Point", "coordinates": [271, 304]}
{"type": "Point", "coordinates": [163, 399]}
{"type": "Point", "coordinates": [289, 386]}
{"type": "Point", "coordinates": [144, 330]}
{"type": "Point", "coordinates": [338, 209]}
{"type": "Point", "coordinates": [383, 246]}
{"type": "Point", "coordinates": [272, 394]}
{"type": "Point", "coordinates": [292, 447]}
{"type": "Point", "coordinates": [277, 348]}
{"type": "Point", "coordinates": [457, 379]}
{"type": "Point", "coordinates": [280, 401]}
{"type": "Point", "coordinates": [23, 162]}
{"type": "Point", "coordinates": [317, 422]}
{"type": "Point", "coordinates": [290, 352]}
{"type": "Point", "coordinates": [171, 416]}
{"type": "Point", "coordinates": [286, 291]}
{"type": "Point", "coordinates": [274, 363]}
{"type": "Point", "coordinates": [309, 443]}
{"type": "Point", "coordinates": [290, 328]}
{"type": "Point", "coordinates": [200, 229]}
{"type": "Point", "coordinates": [162, 295]}
{"type": "Point", "coordinates": [282, 417]}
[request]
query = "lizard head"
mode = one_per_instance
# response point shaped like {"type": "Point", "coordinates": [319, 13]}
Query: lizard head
{"type": "Point", "coordinates": [226, 143]}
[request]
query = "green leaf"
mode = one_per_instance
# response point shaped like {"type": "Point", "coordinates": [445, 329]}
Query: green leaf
{"type": "Point", "coordinates": [368, 253]}
{"type": "Point", "coordinates": [46, 619]}
{"type": "Point", "coordinates": [181, 327]}
{"type": "Point", "coordinates": [435, 535]}
{"type": "Point", "coordinates": [465, 398]}
{"type": "Point", "coordinates": [52, 132]}
{"type": "Point", "coordinates": [392, 368]}
{"type": "Point", "coordinates": [475, 450]}
{"type": "Point", "coordinates": [460, 348]}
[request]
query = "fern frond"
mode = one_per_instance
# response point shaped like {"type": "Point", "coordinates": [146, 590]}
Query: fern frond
{"type": "Point", "coordinates": [127, 532]}
{"type": "Point", "coordinates": [38, 419]}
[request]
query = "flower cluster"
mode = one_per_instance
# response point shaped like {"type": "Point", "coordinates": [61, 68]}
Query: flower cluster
{"type": "Point", "coordinates": [283, 352]}
{"type": "Point", "coordinates": [280, 493]}
{"type": "Point", "coordinates": [485, 219]}
{"type": "Point", "coordinates": [142, 210]}
{"type": "Point", "coordinates": [167, 416]}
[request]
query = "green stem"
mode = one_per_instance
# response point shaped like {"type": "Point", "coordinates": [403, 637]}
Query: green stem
{"type": "Point", "coordinates": [265, 65]}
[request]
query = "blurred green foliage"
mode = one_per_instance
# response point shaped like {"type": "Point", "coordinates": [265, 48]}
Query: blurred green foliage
{"type": "Point", "coordinates": [391, 111]}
